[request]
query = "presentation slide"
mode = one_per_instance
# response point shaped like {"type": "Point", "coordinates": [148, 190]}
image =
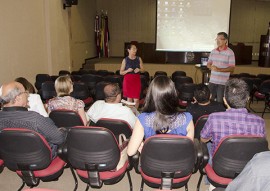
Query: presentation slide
{"type": "Point", "coordinates": [190, 25]}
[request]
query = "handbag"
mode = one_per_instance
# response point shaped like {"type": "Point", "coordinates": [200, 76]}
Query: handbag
{"type": "Point", "coordinates": [123, 142]}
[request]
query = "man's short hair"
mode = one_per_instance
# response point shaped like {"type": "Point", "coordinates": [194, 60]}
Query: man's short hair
{"type": "Point", "coordinates": [236, 93]}
{"type": "Point", "coordinates": [202, 93]}
{"type": "Point", "coordinates": [225, 35]}
{"type": "Point", "coordinates": [111, 91]}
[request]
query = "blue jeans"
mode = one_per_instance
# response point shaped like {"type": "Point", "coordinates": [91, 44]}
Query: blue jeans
{"type": "Point", "coordinates": [217, 91]}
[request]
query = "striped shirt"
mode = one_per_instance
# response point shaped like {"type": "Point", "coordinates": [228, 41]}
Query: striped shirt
{"type": "Point", "coordinates": [231, 122]}
{"type": "Point", "coordinates": [19, 117]}
{"type": "Point", "coordinates": [222, 59]}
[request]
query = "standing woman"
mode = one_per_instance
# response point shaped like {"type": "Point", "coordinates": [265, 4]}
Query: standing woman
{"type": "Point", "coordinates": [131, 67]}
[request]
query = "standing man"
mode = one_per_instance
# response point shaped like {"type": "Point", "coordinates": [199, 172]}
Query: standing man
{"type": "Point", "coordinates": [221, 62]}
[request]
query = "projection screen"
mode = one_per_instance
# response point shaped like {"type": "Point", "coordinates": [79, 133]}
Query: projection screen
{"type": "Point", "coordinates": [190, 25]}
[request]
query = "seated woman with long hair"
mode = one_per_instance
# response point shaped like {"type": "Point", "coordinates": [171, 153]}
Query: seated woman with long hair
{"type": "Point", "coordinates": [160, 115]}
{"type": "Point", "coordinates": [64, 86]}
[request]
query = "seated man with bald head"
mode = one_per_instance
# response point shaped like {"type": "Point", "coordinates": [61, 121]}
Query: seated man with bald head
{"type": "Point", "coordinates": [111, 107]}
{"type": "Point", "coordinates": [16, 115]}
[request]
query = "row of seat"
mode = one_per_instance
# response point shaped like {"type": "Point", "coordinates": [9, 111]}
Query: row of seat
{"type": "Point", "coordinates": [92, 154]}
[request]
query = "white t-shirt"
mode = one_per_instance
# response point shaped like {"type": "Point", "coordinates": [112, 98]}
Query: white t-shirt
{"type": "Point", "coordinates": [101, 109]}
{"type": "Point", "coordinates": [35, 104]}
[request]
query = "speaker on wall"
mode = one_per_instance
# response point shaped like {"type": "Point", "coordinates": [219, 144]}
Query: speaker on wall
{"type": "Point", "coordinates": [69, 3]}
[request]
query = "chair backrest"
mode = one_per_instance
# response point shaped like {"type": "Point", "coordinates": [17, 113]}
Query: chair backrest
{"type": "Point", "coordinates": [80, 91]}
{"type": "Point", "coordinates": [178, 73]}
{"type": "Point", "coordinates": [40, 78]}
{"type": "Point", "coordinates": [160, 73]}
{"type": "Point", "coordinates": [233, 153]}
{"type": "Point", "coordinates": [265, 87]}
{"type": "Point", "coordinates": [116, 126]}
{"type": "Point", "coordinates": [63, 72]}
{"type": "Point", "coordinates": [114, 79]}
{"type": "Point", "coordinates": [168, 153]}
{"type": "Point", "coordinates": [66, 118]}
{"type": "Point", "coordinates": [199, 126]}
{"type": "Point", "coordinates": [88, 146]}
{"type": "Point", "coordinates": [186, 91]}
{"type": "Point", "coordinates": [24, 149]}
{"type": "Point", "coordinates": [48, 90]}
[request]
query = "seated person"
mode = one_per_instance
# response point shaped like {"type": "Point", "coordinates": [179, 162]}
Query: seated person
{"type": "Point", "coordinates": [203, 104]}
{"type": "Point", "coordinates": [64, 86]}
{"type": "Point", "coordinates": [255, 175]}
{"type": "Point", "coordinates": [235, 120]}
{"type": "Point", "coordinates": [160, 115]}
{"type": "Point", "coordinates": [111, 107]}
{"type": "Point", "coordinates": [15, 115]}
{"type": "Point", "coordinates": [34, 100]}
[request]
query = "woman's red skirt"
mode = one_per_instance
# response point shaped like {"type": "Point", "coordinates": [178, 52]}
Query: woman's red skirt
{"type": "Point", "coordinates": [132, 86]}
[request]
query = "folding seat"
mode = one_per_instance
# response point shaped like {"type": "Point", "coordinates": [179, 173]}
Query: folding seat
{"type": "Point", "coordinates": [185, 94]}
{"type": "Point", "coordinates": [116, 126]}
{"type": "Point", "coordinates": [81, 91]}
{"type": "Point", "coordinates": [27, 153]}
{"type": "Point", "coordinates": [178, 73]}
{"type": "Point", "coordinates": [230, 157]}
{"type": "Point", "coordinates": [40, 78]}
{"type": "Point", "coordinates": [167, 161]}
{"type": "Point", "coordinates": [94, 153]}
{"type": "Point", "coordinates": [199, 126]}
{"type": "Point", "coordinates": [66, 118]}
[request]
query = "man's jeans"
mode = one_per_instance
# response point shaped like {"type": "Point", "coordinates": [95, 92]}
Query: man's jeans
{"type": "Point", "coordinates": [217, 91]}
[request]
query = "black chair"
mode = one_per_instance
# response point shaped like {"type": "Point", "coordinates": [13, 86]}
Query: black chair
{"type": "Point", "coordinates": [116, 126]}
{"type": "Point", "coordinates": [114, 79]}
{"type": "Point", "coordinates": [177, 73]}
{"type": "Point", "coordinates": [199, 126]}
{"type": "Point", "coordinates": [81, 91]}
{"type": "Point", "coordinates": [104, 73]}
{"type": "Point", "coordinates": [94, 153]}
{"type": "Point", "coordinates": [168, 161]}
{"type": "Point", "coordinates": [63, 72]}
{"type": "Point", "coordinates": [40, 78]}
{"type": "Point", "coordinates": [91, 80]}
{"type": "Point", "coordinates": [98, 92]}
{"type": "Point", "coordinates": [185, 94]}
{"type": "Point", "coordinates": [160, 73]}
{"type": "Point", "coordinates": [27, 153]}
{"type": "Point", "coordinates": [231, 156]}
{"type": "Point", "coordinates": [66, 118]}
{"type": "Point", "coordinates": [47, 91]}
{"type": "Point", "coordinates": [261, 93]}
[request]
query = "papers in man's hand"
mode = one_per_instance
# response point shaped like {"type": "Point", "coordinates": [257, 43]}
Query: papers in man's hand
{"type": "Point", "coordinates": [127, 102]}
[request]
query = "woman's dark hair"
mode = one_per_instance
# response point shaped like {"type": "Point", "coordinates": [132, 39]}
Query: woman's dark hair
{"type": "Point", "coordinates": [162, 98]}
{"type": "Point", "coordinates": [26, 84]}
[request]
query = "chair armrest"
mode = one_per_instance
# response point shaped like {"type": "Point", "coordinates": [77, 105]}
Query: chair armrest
{"type": "Point", "coordinates": [62, 152]}
{"type": "Point", "coordinates": [205, 157]}
{"type": "Point", "coordinates": [134, 162]}
{"type": "Point", "coordinates": [198, 155]}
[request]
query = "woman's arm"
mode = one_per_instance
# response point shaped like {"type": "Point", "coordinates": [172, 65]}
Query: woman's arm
{"type": "Point", "coordinates": [136, 139]}
{"type": "Point", "coordinates": [123, 66]}
{"type": "Point", "coordinates": [190, 130]}
{"type": "Point", "coordinates": [141, 69]}
{"type": "Point", "coordinates": [83, 115]}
